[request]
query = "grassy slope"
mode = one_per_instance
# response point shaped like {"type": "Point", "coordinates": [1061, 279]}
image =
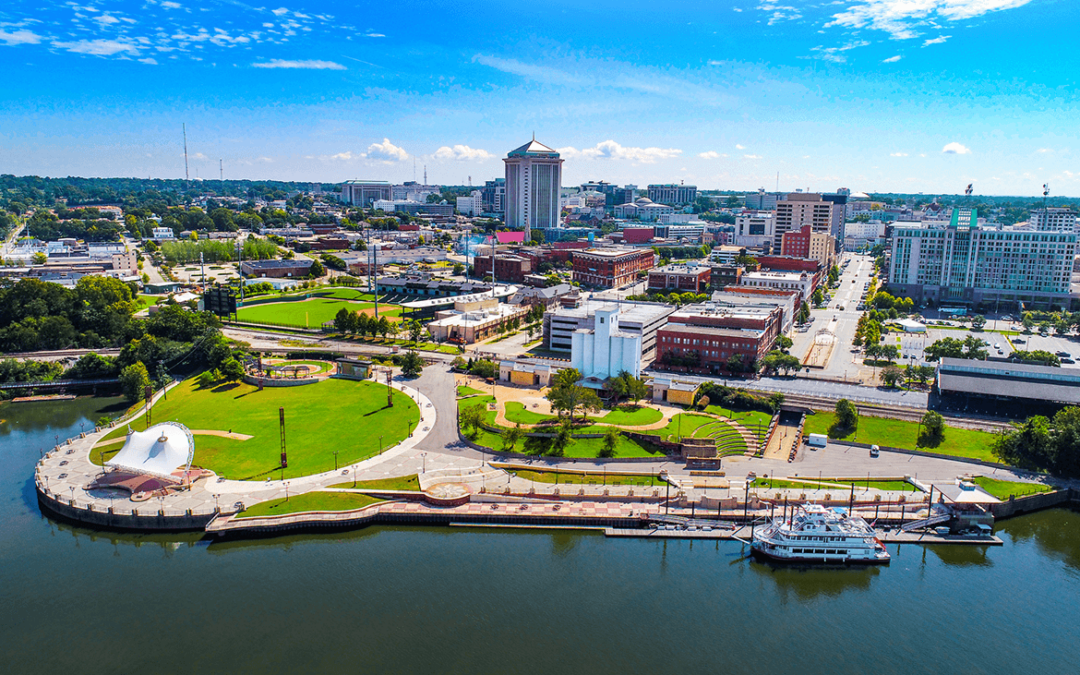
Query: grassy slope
{"type": "Point", "coordinates": [1003, 488]}
{"type": "Point", "coordinates": [518, 414]}
{"type": "Point", "coordinates": [340, 415]}
{"type": "Point", "coordinates": [310, 501]}
{"type": "Point", "coordinates": [599, 478]}
{"type": "Point", "coordinates": [468, 391]}
{"type": "Point", "coordinates": [399, 483]}
{"type": "Point", "coordinates": [901, 434]}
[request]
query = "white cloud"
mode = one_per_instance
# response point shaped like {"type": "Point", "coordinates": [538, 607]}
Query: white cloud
{"type": "Point", "coordinates": [612, 150]}
{"type": "Point", "coordinates": [835, 54]}
{"type": "Point", "coordinates": [752, 157]}
{"type": "Point", "coordinates": [462, 152]}
{"type": "Point", "coordinates": [19, 37]}
{"type": "Point", "coordinates": [902, 19]}
{"type": "Point", "coordinates": [892, 59]}
{"type": "Point", "coordinates": [170, 5]}
{"type": "Point", "coordinates": [280, 11]}
{"type": "Point", "coordinates": [936, 41]}
{"type": "Point", "coordinates": [740, 147]}
{"type": "Point", "coordinates": [374, 35]}
{"type": "Point", "coordinates": [544, 74]}
{"type": "Point", "coordinates": [711, 154]}
{"type": "Point", "coordinates": [106, 19]}
{"type": "Point", "coordinates": [955, 148]}
{"type": "Point", "coordinates": [307, 65]}
{"type": "Point", "coordinates": [149, 61]}
{"type": "Point", "coordinates": [898, 154]}
{"type": "Point", "coordinates": [1043, 151]}
{"type": "Point", "coordinates": [780, 12]}
{"type": "Point", "coordinates": [198, 155]}
{"type": "Point", "coordinates": [98, 47]}
{"type": "Point", "coordinates": [386, 152]}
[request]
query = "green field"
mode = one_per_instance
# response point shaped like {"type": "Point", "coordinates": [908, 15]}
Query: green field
{"type": "Point", "coordinates": [682, 425]}
{"type": "Point", "coordinates": [754, 420]}
{"type": "Point", "coordinates": [902, 434]}
{"type": "Point", "coordinates": [309, 313]}
{"type": "Point", "coordinates": [582, 447]}
{"type": "Point", "coordinates": [518, 414]}
{"type": "Point", "coordinates": [1003, 489]}
{"type": "Point", "coordinates": [334, 414]}
{"type": "Point", "coordinates": [463, 391]}
{"type": "Point", "coordinates": [310, 501]}
{"type": "Point", "coordinates": [400, 483]}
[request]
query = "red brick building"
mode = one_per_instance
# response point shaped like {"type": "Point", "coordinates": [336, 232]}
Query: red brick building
{"type": "Point", "coordinates": [611, 268]}
{"type": "Point", "coordinates": [701, 340]}
{"type": "Point", "coordinates": [508, 268]}
{"type": "Point", "coordinates": [681, 278]}
{"type": "Point", "coordinates": [638, 235]}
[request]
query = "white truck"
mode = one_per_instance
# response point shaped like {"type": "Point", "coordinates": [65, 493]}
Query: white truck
{"type": "Point", "coordinates": [817, 440]}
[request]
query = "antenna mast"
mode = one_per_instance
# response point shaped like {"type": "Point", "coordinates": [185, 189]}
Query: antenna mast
{"type": "Point", "coordinates": [425, 174]}
{"type": "Point", "coordinates": [186, 176]}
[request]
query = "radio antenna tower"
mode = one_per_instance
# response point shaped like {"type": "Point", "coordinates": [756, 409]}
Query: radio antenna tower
{"type": "Point", "coordinates": [186, 176]}
{"type": "Point", "coordinates": [425, 174]}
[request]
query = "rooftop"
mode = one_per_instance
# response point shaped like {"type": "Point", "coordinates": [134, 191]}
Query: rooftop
{"type": "Point", "coordinates": [637, 312]}
{"type": "Point", "coordinates": [610, 252]}
{"type": "Point", "coordinates": [533, 149]}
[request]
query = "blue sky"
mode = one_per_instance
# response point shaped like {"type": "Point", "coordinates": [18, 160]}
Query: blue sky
{"type": "Point", "coordinates": [875, 95]}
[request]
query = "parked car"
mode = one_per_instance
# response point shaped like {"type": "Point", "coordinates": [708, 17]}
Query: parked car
{"type": "Point", "coordinates": [1068, 361]}
{"type": "Point", "coordinates": [874, 451]}
{"type": "Point", "coordinates": [1062, 353]}
{"type": "Point", "coordinates": [1018, 340]}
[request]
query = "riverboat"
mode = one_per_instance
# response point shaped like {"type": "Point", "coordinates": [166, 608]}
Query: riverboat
{"type": "Point", "coordinates": [815, 534]}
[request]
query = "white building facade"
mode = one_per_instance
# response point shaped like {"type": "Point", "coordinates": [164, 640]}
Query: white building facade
{"type": "Point", "coordinates": [604, 351]}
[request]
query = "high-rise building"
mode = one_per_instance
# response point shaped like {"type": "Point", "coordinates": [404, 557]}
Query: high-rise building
{"type": "Point", "coordinates": [805, 243]}
{"type": "Point", "coordinates": [671, 193]}
{"type": "Point", "coordinates": [963, 262]}
{"type": "Point", "coordinates": [364, 192]}
{"type": "Point", "coordinates": [806, 208]}
{"type": "Point", "coordinates": [1053, 220]}
{"type": "Point", "coordinates": [494, 195]}
{"type": "Point", "coordinates": [533, 179]}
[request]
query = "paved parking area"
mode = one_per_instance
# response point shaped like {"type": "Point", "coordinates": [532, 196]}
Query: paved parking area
{"type": "Point", "coordinates": [1068, 344]}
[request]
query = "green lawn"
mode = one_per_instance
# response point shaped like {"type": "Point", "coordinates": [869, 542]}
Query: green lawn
{"type": "Point", "coordinates": [1002, 489]}
{"type": "Point", "coordinates": [310, 501]}
{"type": "Point", "coordinates": [754, 420]}
{"type": "Point", "coordinates": [598, 478]}
{"type": "Point", "coordinates": [901, 434]}
{"type": "Point", "coordinates": [518, 414]}
{"type": "Point", "coordinates": [308, 313]}
{"type": "Point", "coordinates": [144, 301]}
{"type": "Point", "coordinates": [832, 484]}
{"type": "Point", "coordinates": [334, 414]}
{"type": "Point", "coordinates": [463, 391]}
{"type": "Point", "coordinates": [400, 483]}
{"type": "Point", "coordinates": [323, 366]}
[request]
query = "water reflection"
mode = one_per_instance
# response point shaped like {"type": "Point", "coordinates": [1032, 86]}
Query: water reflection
{"type": "Point", "coordinates": [1056, 532]}
{"type": "Point", "coordinates": [810, 582]}
{"type": "Point", "coordinates": [963, 555]}
{"type": "Point", "coordinates": [43, 415]}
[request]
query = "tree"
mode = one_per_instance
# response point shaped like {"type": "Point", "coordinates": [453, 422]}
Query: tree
{"type": "Point", "coordinates": [342, 320]}
{"type": "Point", "coordinates": [511, 437]}
{"type": "Point", "coordinates": [566, 395]}
{"type": "Point", "coordinates": [471, 417]}
{"type": "Point", "coordinates": [775, 401]}
{"type": "Point", "coordinates": [804, 313]}
{"type": "Point", "coordinates": [933, 427]}
{"type": "Point", "coordinates": [784, 343]}
{"type": "Point", "coordinates": [818, 297]}
{"type": "Point", "coordinates": [206, 379]}
{"type": "Point", "coordinates": [317, 269]}
{"type": "Point", "coordinates": [459, 269]}
{"type": "Point", "coordinates": [231, 369]}
{"type": "Point", "coordinates": [415, 330]}
{"type": "Point", "coordinates": [610, 442]}
{"type": "Point", "coordinates": [40, 258]}
{"type": "Point", "coordinates": [563, 437]}
{"type": "Point", "coordinates": [847, 415]}
{"type": "Point", "coordinates": [978, 322]}
{"type": "Point", "coordinates": [384, 328]}
{"type": "Point", "coordinates": [891, 376]}
{"type": "Point", "coordinates": [411, 364]}
{"type": "Point", "coordinates": [133, 381]}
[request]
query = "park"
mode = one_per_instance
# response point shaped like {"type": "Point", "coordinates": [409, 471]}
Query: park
{"type": "Point", "coordinates": [331, 423]}
{"type": "Point", "coordinates": [313, 309]}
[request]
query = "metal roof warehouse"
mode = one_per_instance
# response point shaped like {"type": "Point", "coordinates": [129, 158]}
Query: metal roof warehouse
{"type": "Point", "coordinates": [1008, 380]}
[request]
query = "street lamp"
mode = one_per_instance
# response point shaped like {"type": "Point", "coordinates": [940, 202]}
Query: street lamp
{"type": "Point", "coordinates": [423, 459]}
{"type": "Point", "coordinates": [286, 490]}
{"type": "Point", "coordinates": [335, 460]}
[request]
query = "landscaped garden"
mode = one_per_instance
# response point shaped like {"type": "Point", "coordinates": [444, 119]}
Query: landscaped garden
{"type": "Point", "coordinates": [832, 484]}
{"type": "Point", "coordinates": [577, 447]}
{"type": "Point", "coordinates": [310, 501]}
{"type": "Point", "coordinates": [411, 483]}
{"type": "Point", "coordinates": [339, 415]}
{"type": "Point", "coordinates": [594, 478]}
{"type": "Point", "coordinates": [313, 312]}
{"type": "Point", "coordinates": [902, 434]}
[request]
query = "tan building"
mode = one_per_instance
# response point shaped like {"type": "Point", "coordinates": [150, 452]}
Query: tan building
{"type": "Point", "coordinates": [806, 208]}
{"type": "Point", "coordinates": [473, 321]}
{"type": "Point", "coordinates": [805, 243]}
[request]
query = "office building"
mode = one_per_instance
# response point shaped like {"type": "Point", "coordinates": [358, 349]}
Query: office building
{"type": "Point", "coordinates": [963, 262]}
{"type": "Point", "coordinates": [363, 193]}
{"type": "Point", "coordinates": [533, 178]}
{"type": "Point", "coordinates": [473, 319]}
{"type": "Point", "coordinates": [493, 195]}
{"type": "Point", "coordinates": [508, 268]}
{"type": "Point", "coordinates": [706, 337]}
{"type": "Point", "coordinates": [1053, 220]}
{"type": "Point", "coordinates": [807, 208]}
{"type": "Point", "coordinates": [805, 243]}
{"type": "Point", "coordinates": [803, 282]}
{"type": "Point", "coordinates": [744, 296]}
{"type": "Point", "coordinates": [754, 228]}
{"type": "Point", "coordinates": [611, 268]}
{"type": "Point", "coordinates": [762, 201]}
{"type": "Point", "coordinates": [473, 205]}
{"type": "Point", "coordinates": [682, 278]}
{"type": "Point", "coordinates": [671, 193]}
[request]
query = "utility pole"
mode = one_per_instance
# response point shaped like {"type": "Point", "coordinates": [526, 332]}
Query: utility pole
{"type": "Point", "coordinates": [186, 175]}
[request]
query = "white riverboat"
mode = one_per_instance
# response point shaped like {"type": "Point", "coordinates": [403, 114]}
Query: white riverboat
{"type": "Point", "coordinates": [813, 533]}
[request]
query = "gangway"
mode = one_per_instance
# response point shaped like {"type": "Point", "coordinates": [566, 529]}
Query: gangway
{"type": "Point", "coordinates": [927, 522]}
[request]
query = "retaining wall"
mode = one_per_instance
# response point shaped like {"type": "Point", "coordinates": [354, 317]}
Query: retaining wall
{"type": "Point", "coordinates": [1017, 505]}
{"type": "Point", "coordinates": [279, 382]}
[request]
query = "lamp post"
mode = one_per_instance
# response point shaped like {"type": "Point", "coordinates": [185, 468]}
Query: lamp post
{"type": "Point", "coordinates": [423, 460]}
{"type": "Point", "coordinates": [335, 460]}
{"type": "Point", "coordinates": [380, 444]}
{"type": "Point", "coordinates": [286, 490]}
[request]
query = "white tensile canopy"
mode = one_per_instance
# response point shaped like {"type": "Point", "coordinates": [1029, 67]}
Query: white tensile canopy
{"type": "Point", "coordinates": [158, 451]}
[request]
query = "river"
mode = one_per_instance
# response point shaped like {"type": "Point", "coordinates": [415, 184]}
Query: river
{"type": "Point", "coordinates": [445, 600]}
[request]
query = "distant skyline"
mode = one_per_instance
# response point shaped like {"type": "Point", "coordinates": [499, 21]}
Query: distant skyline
{"type": "Point", "coordinates": [874, 95]}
